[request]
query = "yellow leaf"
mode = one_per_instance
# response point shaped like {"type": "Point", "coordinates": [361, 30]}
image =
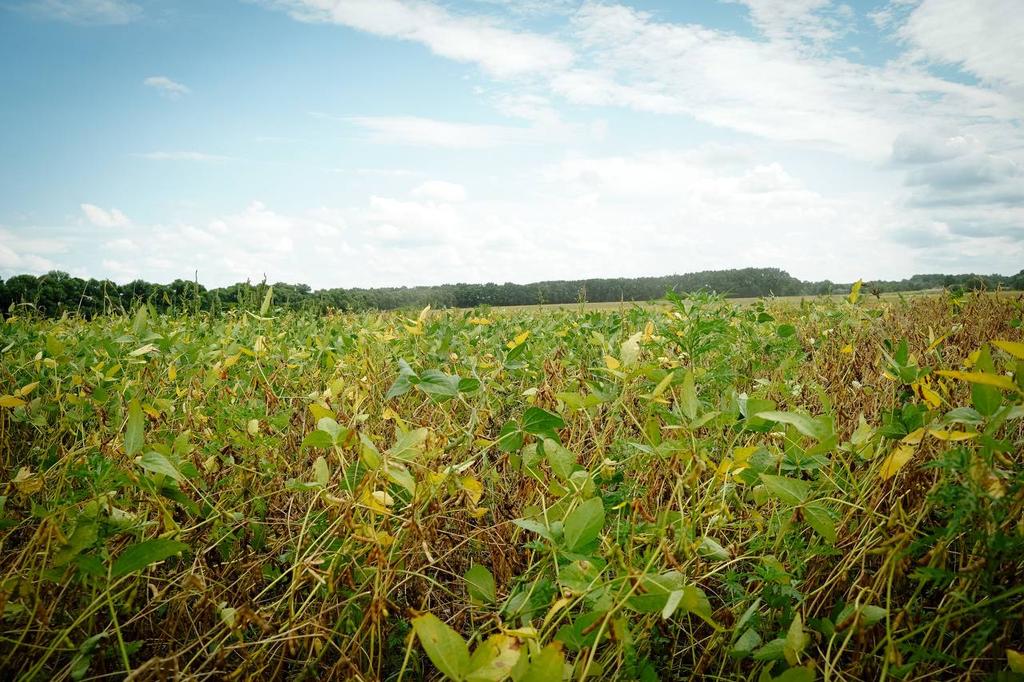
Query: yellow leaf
{"type": "Point", "coordinates": [997, 380]}
{"type": "Point", "coordinates": [914, 437]}
{"type": "Point", "coordinates": [232, 360]}
{"type": "Point", "coordinates": [10, 401]}
{"type": "Point", "coordinates": [648, 331]}
{"type": "Point", "coordinates": [27, 482]}
{"type": "Point", "coordinates": [371, 534]}
{"type": "Point", "coordinates": [27, 388]}
{"type": "Point", "coordinates": [474, 488]}
{"type": "Point", "coordinates": [900, 455]}
{"type": "Point", "coordinates": [423, 314]}
{"type": "Point", "coordinates": [935, 344]}
{"type": "Point", "coordinates": [953, 435]}
{"type": "Point", "coordinates": [1016, 661]}
{"type": "Point", "coordinates": [927, 394]}
{"type": "Point", "coordinates": [479, 320]}
{"type": "Point", "coordinates": [1013, 348]}
{"type": "Point", "coordinates": [741, 458]}
{"type": "Point", "coordinates": [377, 501]}
{"type": "Point", "coordinates": [319, 411]}
{"type": "Point", "coordinates": [847, 349]}
{"type": "Point", "coordinates": [172, 372]}
{"type": "Point", "coordinates": [519, 340]}
{"type": "Point", "coordinates": [611, 363]}
{"type": "Point", "coordinates": [855, 291]}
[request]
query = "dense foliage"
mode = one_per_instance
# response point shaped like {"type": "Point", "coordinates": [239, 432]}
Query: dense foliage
{"type": "Point", "coordinates": [57, 292]}
{"type": "Point", "coordinates": [830, 489]}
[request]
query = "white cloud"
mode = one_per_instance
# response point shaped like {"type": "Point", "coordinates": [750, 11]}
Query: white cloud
{"type": "Point", "coordinates": [87, 12]}
{"type": "Point", "coordinates": [27, 255]}
{"type": "Point", "coordinates": [814, 21]}
{"type": "Point", "coordinates": [771, 89]}
{"type": "Point", "coordinates": [103, 218]}
{"type": "Point", "coordinates": [167, 87]}
{"type": "Point", "coordinates": [439, 190]}
{"type": "Point", "coordinates": [182, 156]}
{"type": "Point", "coordinates": [121, 245]}
{"type": "Point", "coordinates": [428, 132]}
{"type": "Point", "coordinates": [984, 37]}
{"type": "Point", "coordinates": [472, 39]}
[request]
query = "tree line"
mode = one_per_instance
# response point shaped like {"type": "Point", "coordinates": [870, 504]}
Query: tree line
{"type": "Point", "coordinates": [57, 293]}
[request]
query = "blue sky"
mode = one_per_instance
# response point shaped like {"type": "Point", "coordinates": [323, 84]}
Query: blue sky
{"type": "Point", "coordinates": [380, 142]}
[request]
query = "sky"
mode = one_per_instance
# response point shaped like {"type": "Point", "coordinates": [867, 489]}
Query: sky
{"type": "Point", "coordinates": [345, 143]}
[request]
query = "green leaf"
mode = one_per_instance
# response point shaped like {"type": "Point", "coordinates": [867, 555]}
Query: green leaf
{"type": "Point", "coordinates": [583, 524]}
{"type": "Point", "coordinates": [84, 536]}
{"type": "Point", "coordinates": [796, 640]}
{"type": "Point", "coordinates": [401, 476]}
{"type": "Point", "coordinates": [796, 674]}
{"type": "Point", "coordinates": [986, 399]}
{"type": "Point", "coordinates": [674, 597]}
{"type": "Point", "coordinates": [772, 651]}
{"type": "Point", "coordinates": [819, 519]}
{"type": "Point", "coordinates": [469, 385]}
{"type": "Point", "coordinates": [82, 660]}
{"type": "Point", "coordinates": [712, 549]}
{"type": "Point", "coordinates": [759, 462]}
{"type": "Point", "coordinates": [156, 463]}
{"type": "Point", "coordinates": [534, 527]}
{"type": "Point", "coordinates": [542, 423]}
{"type": "Point", "coordinates": [142, 554]}
{"type": "Point", "coordinates": [745, 644]}
{"type": "Point", "coordinates": [818, 428]}
{"type": "Point", "coordinates": [408, 444]}
{"type": "Point", "coordinates": [494, 659]}
{"type": "Point", "coordinates": [480, 584]}
{"type": "Point", "coordinates": [329, 426]}
{"type": "Point", "coordinates": [404, 383]}
{"type": "Point", "coordinates": [321, 472]}
{"type": "Point", "coordinates": [368, 452]}
{"type": "Point", "coordinates": [696, 602]}
{"type": "Point", "coordinates": [547, 665]}
{"type": "Point", "coordinates": [510, 439]}
{"type": "Point", "coordinates": [317, 439]}
{"type": "Point", "coordinates": [559, 458]}
{"type": "Point", "coordinates": [401, 386]}
{"type": "Point", "coordinates": [789, 490]}
{"type": "Point", "coordinates": [784, 331]}
{"type": "Point", "coordinates": [438, 385]}
{"type": "Point", "coordinates": [267, 300]}
{"type": "Point", "coordinates": [688, 397]}
{"type": "Point", "coordinates": [134, 430]}
{"type": "Point", "coordinates": [445, 647]}
{"type": "Point", "coordinates": [630, 351]}
{"type": "Point", "coordinates": [582, 632]}
{"type": "Point", "coordinates": [655, 592]}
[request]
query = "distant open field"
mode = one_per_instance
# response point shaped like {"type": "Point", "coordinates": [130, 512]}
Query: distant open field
{"type": "Point", "coordinates": [625, 305]}
{"type": "Point", "coordinates": [792, 493]}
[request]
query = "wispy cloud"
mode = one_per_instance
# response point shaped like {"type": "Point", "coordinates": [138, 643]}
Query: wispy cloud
{"type": "Point", "coordinates": [182, 156]}
{"type": "Point", "coordinates": [479, 40]}
{"type": "Point", "coordinates": [166, 87]}
{"type": "Point", "coordinates": [429, 132]}
{"type": "Point", "coordinates": [86, 12]}
{"type": "Point", "coordinates": [101, 217]}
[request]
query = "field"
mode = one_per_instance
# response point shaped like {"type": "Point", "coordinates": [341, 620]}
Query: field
{"type": "Point", "coordinates": [791, 491]}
